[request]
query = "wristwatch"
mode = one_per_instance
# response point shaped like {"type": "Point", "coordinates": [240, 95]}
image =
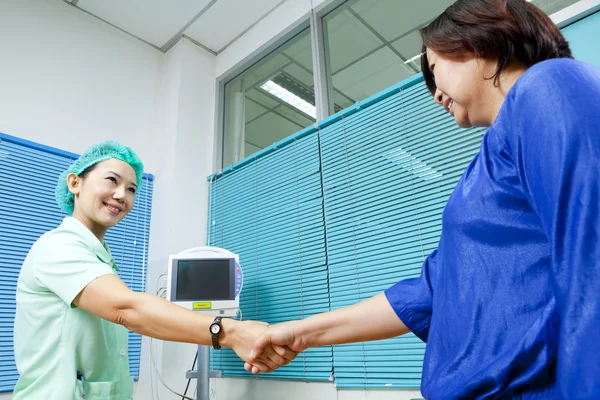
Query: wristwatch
{"type": "Point", "coordinates": [215, 329]}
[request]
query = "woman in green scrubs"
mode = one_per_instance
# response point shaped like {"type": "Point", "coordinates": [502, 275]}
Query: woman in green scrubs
{"type": "Point", "coordinates": [70, 333]}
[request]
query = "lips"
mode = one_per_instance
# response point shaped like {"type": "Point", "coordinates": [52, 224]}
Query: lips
{"type": "Point", "coordinates": [114, 209]}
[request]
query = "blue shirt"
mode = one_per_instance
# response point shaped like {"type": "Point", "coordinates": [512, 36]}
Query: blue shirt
{"type": "Point", "coordinates": [509, 303]}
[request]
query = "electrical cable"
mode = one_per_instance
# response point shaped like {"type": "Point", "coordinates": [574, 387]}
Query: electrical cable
{"type": "Point", "coordinates": [161, 379]}
{"type": "Point", "coordinates": [189, 379]}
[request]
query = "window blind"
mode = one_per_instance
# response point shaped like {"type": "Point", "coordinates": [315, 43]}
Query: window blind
{"type": "Point", "coordinates": [270, 212]}
{"type": "Point", "coordinates": [379, 175]}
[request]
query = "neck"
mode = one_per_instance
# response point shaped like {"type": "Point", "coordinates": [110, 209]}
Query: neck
{"type": "Point", "coordinates": [98, 230]}
{"type": "Point", "coordinates": [506, 81]}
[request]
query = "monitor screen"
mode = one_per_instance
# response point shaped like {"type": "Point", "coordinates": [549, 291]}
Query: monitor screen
{"type": "Point", "coordinates": [204, 280]}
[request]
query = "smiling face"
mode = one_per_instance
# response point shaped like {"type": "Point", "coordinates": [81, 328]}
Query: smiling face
{"type": "Point", "coordinates": [104, 195]}
{"type": "Point", "coordinates": [463, 88]}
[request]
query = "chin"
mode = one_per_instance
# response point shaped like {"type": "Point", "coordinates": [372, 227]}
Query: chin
{"type": "Point", "coordinates": [462, 120]}
{"type": "Point", "coordinates": [461, 117]}
{"type": "Point", "coordinates": [465, 123]}
{"type": "Point", "coordinates": [108, 222]}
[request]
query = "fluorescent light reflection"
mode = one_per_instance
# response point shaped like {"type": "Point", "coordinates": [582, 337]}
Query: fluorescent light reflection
{"type": "Point", "coordinates": [290, 98]}
{"type": "Point", "coordinates": [413, 58]}
{"type": "Point", "coordinates": [412, 164]}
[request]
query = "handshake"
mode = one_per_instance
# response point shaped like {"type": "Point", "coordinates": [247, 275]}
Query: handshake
{"type": "Point", "coordinates": [264, 348]}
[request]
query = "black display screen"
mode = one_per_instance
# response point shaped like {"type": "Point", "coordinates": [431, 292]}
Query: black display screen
{"type": "Point", "coordinates": [204, 280]}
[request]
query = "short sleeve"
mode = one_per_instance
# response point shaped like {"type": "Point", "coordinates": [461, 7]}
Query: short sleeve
{"type": "Point", "coordinates": [412, 300]}
{"type": "Point", "coordinates": [65, 265]}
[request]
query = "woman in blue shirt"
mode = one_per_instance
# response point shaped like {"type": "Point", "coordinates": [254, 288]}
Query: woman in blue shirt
{"type": "Point", "coordinates": [509, 303]}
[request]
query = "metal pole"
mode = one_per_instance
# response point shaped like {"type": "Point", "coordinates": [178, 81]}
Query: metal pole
{"type": "Point", "coordinates": [203, 388]}
{"type": "Point", "coordinates": [323, 97]}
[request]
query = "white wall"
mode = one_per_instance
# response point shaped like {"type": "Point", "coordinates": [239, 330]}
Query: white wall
{"type": "Point", "coordinates": [68, 81]}
{"type": "Point", "coordinates": [179, 211]}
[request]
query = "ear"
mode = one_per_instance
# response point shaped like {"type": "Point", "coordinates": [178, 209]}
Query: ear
{"type": "Point", "coordinates": [74, 183]}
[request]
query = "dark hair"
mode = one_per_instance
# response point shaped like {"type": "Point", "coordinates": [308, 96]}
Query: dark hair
{"type": "Point", "coordinates": [510, 31]}
{"type": "Point", "coordinates": [86, 171]}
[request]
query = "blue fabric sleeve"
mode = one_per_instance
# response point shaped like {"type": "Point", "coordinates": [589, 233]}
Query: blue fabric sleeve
{"type": "Point", "coordinates": [411, 299]}
{"type": "Point", "coordinates": [554, 136]}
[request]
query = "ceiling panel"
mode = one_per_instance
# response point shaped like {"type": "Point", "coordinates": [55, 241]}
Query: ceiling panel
{"type": "Point", "coordinates": [262, 99]}
{"type": "Point", "coordinates": [250, 149]}
{"type": "Point", "coordinates": [371, 75]}
{"type": "Point", "coordinates": [155, 21]}
{"type": "Point", "coordinates": [253, 110]}
{"type": "Point", "coordinates": [300, 75]}
{"type": "Point", "coordinates": [349, 40]}
{"type": "Point", "coordinates": [224, 21]}
{"type": "Point", "coordinates": [552, 6]}
{"type": "Point", "coordinates": [294, 115]}
{"type": "Point", "coordinates": [264, 70]}
{"type": "Point", "coordinates": [410, 47]}
{"type": "Point", "coordinates": [300, 49]}
{"type": "Point", "coordinates": [393, 18]}
{"type": "Point", "coordinates": [268, 129]}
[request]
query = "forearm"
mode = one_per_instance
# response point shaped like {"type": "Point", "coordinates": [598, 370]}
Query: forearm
{"type": "Point", "coordinates": [156, 317]}
{"type": "Point", "coordinates": [371, 319]}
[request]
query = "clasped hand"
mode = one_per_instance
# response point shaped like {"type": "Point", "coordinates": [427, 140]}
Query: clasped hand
{"type": "Point", "coordinates": [251, 341]}
{"type": "Point", "coordinates": [282, 340]}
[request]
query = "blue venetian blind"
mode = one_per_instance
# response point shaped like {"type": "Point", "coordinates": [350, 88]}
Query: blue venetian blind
{"type": "Point", "coordinates": [383, 169]}
{"type": "Point", "coordinates": [270, 212]}
{"type": "Point", "coordinates": [28, 175]}
{"type": "Point", "coordinates": [388, 170]}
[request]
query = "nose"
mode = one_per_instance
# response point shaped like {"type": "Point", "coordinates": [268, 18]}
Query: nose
{"type": "Point", "coordinates": [438, 96]}
{"type": "Point", "coordinates": [119, 194]}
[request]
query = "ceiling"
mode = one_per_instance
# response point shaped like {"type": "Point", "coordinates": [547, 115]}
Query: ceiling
{"type": "Point", "coordinates": [371, 45]}
{"type": "Point", "coordinates": [212, 24]}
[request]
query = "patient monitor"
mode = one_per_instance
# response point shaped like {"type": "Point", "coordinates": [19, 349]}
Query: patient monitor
{"type": "Point", "coordinates": [206, 279]}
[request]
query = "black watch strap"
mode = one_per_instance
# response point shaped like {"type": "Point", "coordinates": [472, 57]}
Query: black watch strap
{"type": "Point", "coordinates": [215, 336]}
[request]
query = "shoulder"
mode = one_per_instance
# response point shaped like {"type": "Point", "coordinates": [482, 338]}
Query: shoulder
{"type": "Point", "coordinates": [60, 237]}
{"type": "Point", "coordinates": [60, 244]}
{"type": "Point", "coordinates": [52, 248]}
{"type": "Point", "coordinates": [551, 93]}
{"type": "Point", "coordinates": [557, 77]}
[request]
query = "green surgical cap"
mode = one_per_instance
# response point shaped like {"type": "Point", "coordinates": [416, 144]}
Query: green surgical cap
{"type": "Point", "coordinates": [95, 154]}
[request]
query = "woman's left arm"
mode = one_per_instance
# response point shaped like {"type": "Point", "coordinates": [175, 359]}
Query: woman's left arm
{"type": "Point", "coordinates": [556, 146]}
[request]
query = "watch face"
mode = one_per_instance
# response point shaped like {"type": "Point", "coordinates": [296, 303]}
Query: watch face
{"type": "Point", "coordinates": [215, 329]}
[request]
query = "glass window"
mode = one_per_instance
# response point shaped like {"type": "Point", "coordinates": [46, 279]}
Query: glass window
{"type": "Point", "coordinates": [552, 6]}
{"type": "Point", "coordinates": [270, 101]}
{"type": "Point", "coordinates": [373, 44]}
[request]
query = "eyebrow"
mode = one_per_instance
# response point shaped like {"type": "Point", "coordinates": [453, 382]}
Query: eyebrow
{"type": "Point", "coordinates": [120, 177]}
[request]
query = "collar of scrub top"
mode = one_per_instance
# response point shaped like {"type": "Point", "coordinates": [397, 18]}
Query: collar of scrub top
{"type": "Point", "coordinates": [101, 249]}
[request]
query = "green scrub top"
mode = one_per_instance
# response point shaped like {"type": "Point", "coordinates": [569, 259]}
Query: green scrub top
{"type": "Point", "coordinates": [54, 340]}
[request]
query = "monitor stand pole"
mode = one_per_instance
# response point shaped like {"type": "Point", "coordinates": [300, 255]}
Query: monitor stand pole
{"type": "Point", "coordinates": [203, 373]}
